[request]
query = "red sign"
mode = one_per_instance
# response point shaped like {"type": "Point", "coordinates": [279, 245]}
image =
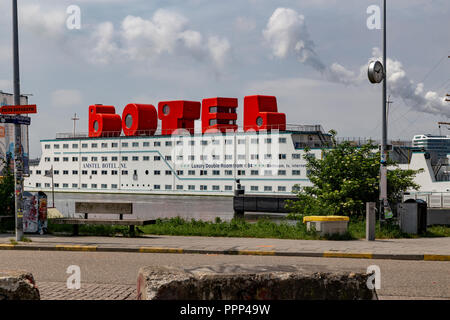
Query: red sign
{"type": "Point", "coordinates": [18, 109]}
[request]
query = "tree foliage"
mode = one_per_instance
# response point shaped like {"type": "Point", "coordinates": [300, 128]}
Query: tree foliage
{"type": "Point", "coordinates": [6, 191]}
{"type": "Point", "coordinates": [345, 179]}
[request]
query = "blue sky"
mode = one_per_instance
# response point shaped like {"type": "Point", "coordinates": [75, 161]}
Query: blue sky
{"type": "Point", "coordinates": [308, 53]}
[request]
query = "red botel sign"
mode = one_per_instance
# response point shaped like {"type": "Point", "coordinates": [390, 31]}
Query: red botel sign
{"type": "Point", "coordinates": [18, 109]}
{"type": "Point", "coordinates": [261, 114]}
{"type": "Point", "coordinates": [218, 115]}
{"type": "Point", "coordinates": [176, 115]}
{"type": "Point", "coordinates": [103, 121]}
{"type": "Point", "coordinates": [139, 120]}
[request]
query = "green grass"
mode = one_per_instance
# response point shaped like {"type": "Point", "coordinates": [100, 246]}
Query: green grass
{"type": "Point", "coordinates": [357, 228]}
{"type": "Point", "coordinates": [263, 228]}
{"type": "Point", "coordinates": [89, 230]}
{"type": "Point", "coordinates": [25, 239]}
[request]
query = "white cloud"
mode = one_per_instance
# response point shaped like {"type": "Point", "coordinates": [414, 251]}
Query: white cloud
{"type": "Point", "coordinates": [304, 102]}
{"type": "Point", "coordinates": [167, 32]}
{"type": "Point", "coordinates": [287, 35]}
{"type": "Point", "coordinates": [45, 22]}
{"type": "Point", "coordinates": [244, 24]}
{"type": "Point", "coordinates": [219, 50]}
{"type": "Point", "coordinates": [66, 98]}
{"type": "Point", "coordinates": [104, 47]}
{"type": "Point", "coordinates": [156, 36]}
{"type": "Point", "coordinates": [414, 95]}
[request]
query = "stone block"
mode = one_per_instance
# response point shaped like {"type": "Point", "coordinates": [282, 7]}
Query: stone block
{"type": "Point", "coordinates": [18, 285]}
{"type": "Point", "coordinates": [328, 227]}
{"type": "Point", "coordinates": [244, 282]}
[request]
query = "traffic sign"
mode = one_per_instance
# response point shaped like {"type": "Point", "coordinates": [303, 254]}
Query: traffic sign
{"type": "Point", "coordinates": [18, 109]}
{"type": "Point", "coordinates": [16, 120]}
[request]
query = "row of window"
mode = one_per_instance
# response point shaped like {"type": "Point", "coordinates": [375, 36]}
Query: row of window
{"type": "Point", "coordinates": [167, 187]}
{"type": "Point", "coordinates": [106, 145]}
{"type": "Point", "coordinates": [281, 156]}
{"type": "Point", "coordinates": [169, 172]}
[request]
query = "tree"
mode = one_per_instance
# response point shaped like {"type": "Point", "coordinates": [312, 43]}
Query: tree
{"type": "Point", "coordinates": [6, 190]}
{"type": "Point", "coordinates": [345, 179]}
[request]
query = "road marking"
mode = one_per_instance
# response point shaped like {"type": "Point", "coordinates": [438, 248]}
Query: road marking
{"type": "Point", "coordinates": [328, 254]}
{"type": "Point", "coordinates": [436, 257]}
{"type": "Point", "coordinates": [75, 248]}
{"type": "Point", "coordinates": [256, 252]}
{"type": "Point", "coordinates": [160, 250]}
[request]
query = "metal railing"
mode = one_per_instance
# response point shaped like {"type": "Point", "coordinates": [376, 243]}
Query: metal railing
{"type": "Point", "coordinates": [433, 199]}
{"type": "Point", "coordinates": [112, 134]}
{"type": "Point", "coordinates": [362, 140]}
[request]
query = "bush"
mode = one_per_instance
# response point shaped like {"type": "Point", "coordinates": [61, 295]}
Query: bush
{"type": "Point", "coordinates": [345, 179]}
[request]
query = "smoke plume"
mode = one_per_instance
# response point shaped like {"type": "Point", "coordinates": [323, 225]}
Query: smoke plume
{"type": "Point", "coordinates": [287, 34]}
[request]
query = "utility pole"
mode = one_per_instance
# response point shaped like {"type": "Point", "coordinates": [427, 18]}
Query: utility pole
{"type": "Point", "coordinates": [18, 148]}
{"type": "Point", "coordinates": [388, 102]}
{"type": "Point", "coordinates": [448, 95]}
{"type": "Point", "coordinates": [384, 205]}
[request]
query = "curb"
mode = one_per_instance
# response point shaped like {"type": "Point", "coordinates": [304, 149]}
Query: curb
{"type": "Point", "coordinates": [326, 254]}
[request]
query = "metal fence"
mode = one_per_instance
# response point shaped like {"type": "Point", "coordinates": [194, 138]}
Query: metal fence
{"type": "Point", "coordinates": [433, 199]}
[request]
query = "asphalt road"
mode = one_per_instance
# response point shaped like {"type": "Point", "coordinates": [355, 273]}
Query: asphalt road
{"type": "Point", "coordinates": [399, 279]}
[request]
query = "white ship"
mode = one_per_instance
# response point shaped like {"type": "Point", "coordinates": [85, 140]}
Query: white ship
{"type": "Point", "coordinates": [266, 161]}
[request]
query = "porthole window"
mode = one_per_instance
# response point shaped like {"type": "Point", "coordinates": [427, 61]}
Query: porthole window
{"type": "Point", "coordinates": [129, 121]}
{"type": "Point", "coordinates": [259, 121]}
{"type": "Point", "coordinates": [166, 109]}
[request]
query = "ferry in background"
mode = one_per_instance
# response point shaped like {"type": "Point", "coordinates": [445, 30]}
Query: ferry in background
{"type": "Point", "coordinates": [130, 154]}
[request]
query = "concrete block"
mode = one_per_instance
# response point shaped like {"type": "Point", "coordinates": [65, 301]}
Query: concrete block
{"type": "Point", "coordinates": [244, 282]}
{"type": "Point", "coordinates": [328, 227]}
{"type": "Point", "coordinates": [18, 285]}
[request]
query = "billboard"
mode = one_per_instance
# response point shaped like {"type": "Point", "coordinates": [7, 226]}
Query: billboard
{"type": "Point", "coordinates": [7, 136]}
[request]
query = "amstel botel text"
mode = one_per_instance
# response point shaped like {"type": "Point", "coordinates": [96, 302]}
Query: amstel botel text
{"type": "Point", "coordinates": [266, 155]}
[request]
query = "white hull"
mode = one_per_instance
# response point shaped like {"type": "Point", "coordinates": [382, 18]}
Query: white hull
{"type": "Point", "coordinates": [265, 163]}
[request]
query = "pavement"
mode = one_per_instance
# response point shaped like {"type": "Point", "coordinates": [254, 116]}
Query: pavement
{"type": "Point", "coordinates": [419, 249]}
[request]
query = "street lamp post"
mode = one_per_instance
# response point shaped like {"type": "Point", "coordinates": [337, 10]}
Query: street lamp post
{"type": "Point", "coordinates": [18, 151]}
{"type": "Point", "coordinates": [377, 72]}
{"type": "Point", "coordinates": [384, 205]}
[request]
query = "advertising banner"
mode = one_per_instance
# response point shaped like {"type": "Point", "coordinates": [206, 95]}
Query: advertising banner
{"type": "Point", "coordinates": [30, 213]}
{"type": "Point", "coordinates": [35, 212]}
{"type": "Point", "coordinates": [42, 210]}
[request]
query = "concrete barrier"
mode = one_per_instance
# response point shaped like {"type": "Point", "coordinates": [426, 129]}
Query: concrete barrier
{"type": "Point", "coordinates": [18, 285]}
{"type": "Point", "coordinates": [327, 224]}
{"type": "Point", "coordinates": [243, 282]}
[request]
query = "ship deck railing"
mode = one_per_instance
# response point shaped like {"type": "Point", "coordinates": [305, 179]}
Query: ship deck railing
{"type": "Point", "coordinates": [433, 199]}
{"type": "Point", "coordinates": [312, 129]}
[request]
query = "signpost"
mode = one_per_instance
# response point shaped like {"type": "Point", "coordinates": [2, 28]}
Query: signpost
{"type": "Point", "coordinates": [20, 120]}
{"type": "Point", "coordinates": [18, 109]}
